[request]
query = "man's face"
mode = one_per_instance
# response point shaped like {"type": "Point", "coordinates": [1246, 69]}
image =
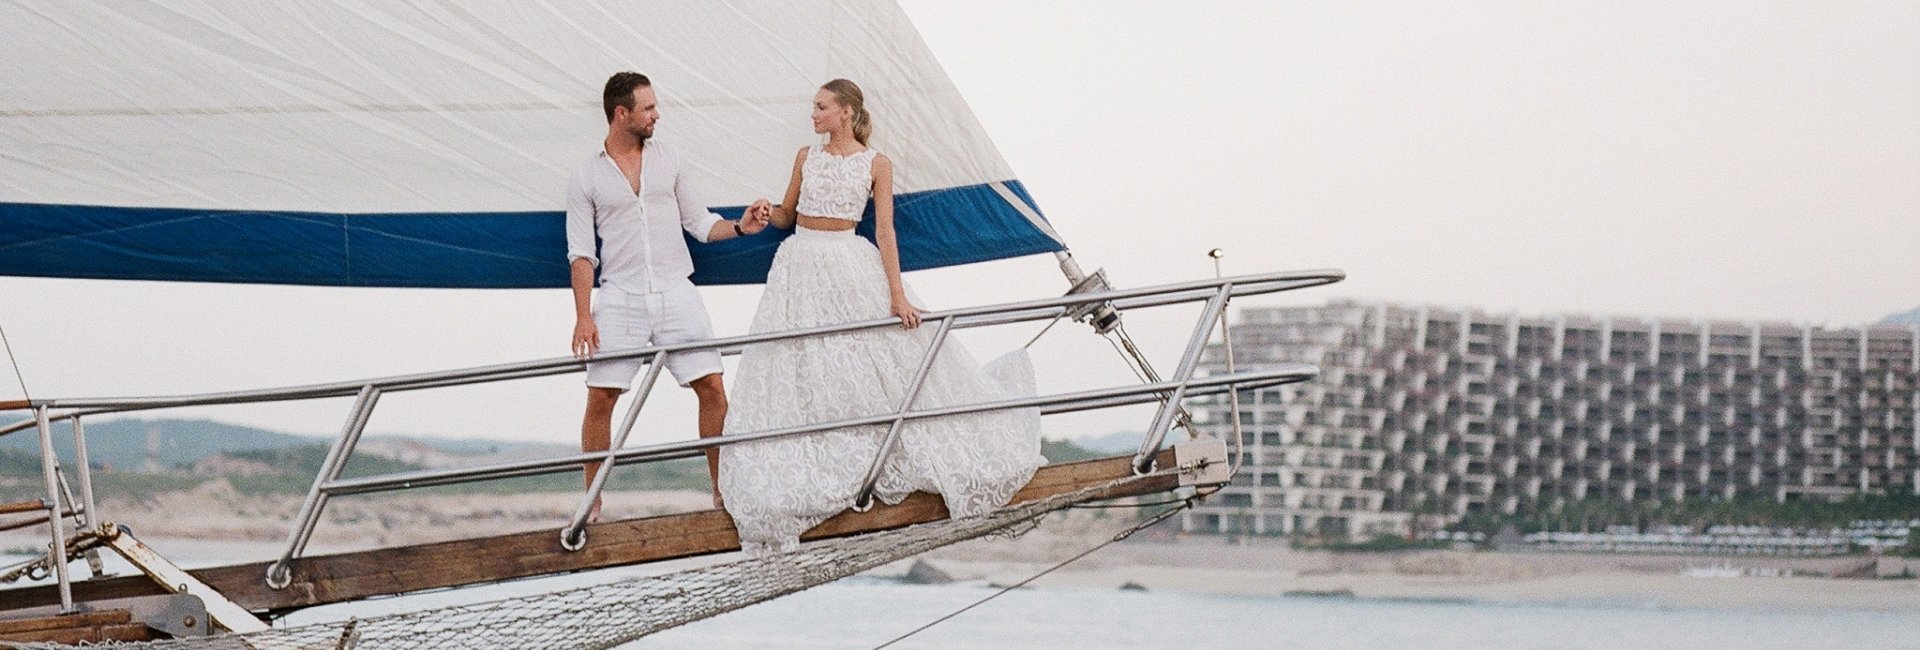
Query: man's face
{"type": "Point", "coordinates": [639, 120]}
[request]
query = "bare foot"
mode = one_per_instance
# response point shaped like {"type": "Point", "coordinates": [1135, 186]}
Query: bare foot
{"type": "Point", "coordinates": [719, 503]}
{"type": "Point", "coordinates": [593, 513]}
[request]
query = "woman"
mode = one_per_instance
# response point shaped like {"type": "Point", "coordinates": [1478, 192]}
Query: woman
{"type": "Point", "coordinates": [825, 274]}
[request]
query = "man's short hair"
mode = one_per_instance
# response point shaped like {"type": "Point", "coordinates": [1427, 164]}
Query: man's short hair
{"type": "Point", "coordinates": [620, 89]}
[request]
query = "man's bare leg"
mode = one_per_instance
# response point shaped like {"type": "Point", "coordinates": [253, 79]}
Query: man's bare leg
{"type": "Point", "coordinates": [712, 393]}
{"type": "Point", "coordinates": [596, 434]}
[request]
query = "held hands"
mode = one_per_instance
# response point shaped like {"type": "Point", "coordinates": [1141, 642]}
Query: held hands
{"type": "Point", "coordinates": [757, 216]}
{"type": "Point", "coordinates": [586, 338]}
{"type": "Point", "coordinates": [909, 314]}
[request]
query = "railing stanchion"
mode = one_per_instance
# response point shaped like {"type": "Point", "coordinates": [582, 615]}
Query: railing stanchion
{"type": "Point", "coordinates": [81, 466]}
{"type": "Point", "coordinates": [279, 574]}
{"type": "Point", "coordinates": [57, 548]}
{"type": "Point", "coordinates": [92, 518]}
{"type": "Point", "coordinates": [1163, 418]}
{"type": "Point", "coordinates": [573, 537]}
{"type": "Point", "coordinates": [863, 500]}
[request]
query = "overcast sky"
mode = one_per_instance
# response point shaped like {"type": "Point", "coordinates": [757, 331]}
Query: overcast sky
{"type": "Point", "coordinates": [1723, 160]}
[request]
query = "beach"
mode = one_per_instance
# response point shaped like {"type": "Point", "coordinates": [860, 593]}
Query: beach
{"type": "Point", "coordinates": [214, 525]}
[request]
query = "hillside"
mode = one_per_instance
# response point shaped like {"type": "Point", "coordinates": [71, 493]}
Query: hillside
{"type": "Point", "coordinates": [122, 444]}
{"type": "Point", "coordinates": [1118, 442]}
{"type": "Point", "coordinates": [192, 452]}
{"type": "Point", "coordinates": [1910, 317]}
{"type": "Point", "coordinates": [255, 460]}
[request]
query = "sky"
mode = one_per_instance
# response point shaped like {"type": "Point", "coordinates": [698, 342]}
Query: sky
{"type": "Point", "coordinates": [1747, 161]}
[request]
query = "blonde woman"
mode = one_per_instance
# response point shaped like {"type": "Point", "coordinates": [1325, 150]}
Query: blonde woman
{"type": "Point", "coordinates": [825, 274]}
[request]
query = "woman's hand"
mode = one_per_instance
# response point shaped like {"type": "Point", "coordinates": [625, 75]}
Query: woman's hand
{"type": "Point", "coordinates": [756, 217]}
{"type": "Point", "coordinates": [909, 314]}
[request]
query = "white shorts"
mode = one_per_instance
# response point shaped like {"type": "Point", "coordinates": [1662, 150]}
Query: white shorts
{"type": "Point", "coordinates": [637, 320]}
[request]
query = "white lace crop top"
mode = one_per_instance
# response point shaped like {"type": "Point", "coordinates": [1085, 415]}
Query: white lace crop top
{"type": "Point", "coordinates": [836, 187]}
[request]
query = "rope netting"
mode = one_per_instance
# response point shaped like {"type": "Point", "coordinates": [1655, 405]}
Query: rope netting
{"type": "Point", "coordinates": [607, 615]}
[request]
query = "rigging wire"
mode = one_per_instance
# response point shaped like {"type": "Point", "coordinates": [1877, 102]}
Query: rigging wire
{"type": "Point", "coordinates": [1182, 418]}
{"type": "Point", "coordinates": [1123, 355]}
{"type": "Point", "coordinates": [1043, 330]}
{"type": "Point", "coordinates": [35, 568]}
{"type": "Point", "coordinates": [1157, 518]}
{"type": "Point", "coordinates": [83, 517]}
{"type": "Point", "coordinates": [16, 364]}
{"type": "Point", "coordinates": [1198, 495]}
{"type": "Point", "coordinates": [1131, 352]}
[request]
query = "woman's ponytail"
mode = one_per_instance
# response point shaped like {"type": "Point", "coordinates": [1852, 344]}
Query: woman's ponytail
{"type": "Point", "coordinates": [849, 95]}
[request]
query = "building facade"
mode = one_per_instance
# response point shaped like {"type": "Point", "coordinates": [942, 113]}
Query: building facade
{"type": "Point", "coordinates": [1423, 415]}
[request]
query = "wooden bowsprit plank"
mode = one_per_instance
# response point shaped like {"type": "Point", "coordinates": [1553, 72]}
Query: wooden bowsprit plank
{"type": "Point", "coordinates": [16, 507]}
{"type": "Point", "coordinates": [76, 619]}
{"type": "Point", "coordinates": [79, 627]}
{"type": "Point", "coordinates": [355, 575]}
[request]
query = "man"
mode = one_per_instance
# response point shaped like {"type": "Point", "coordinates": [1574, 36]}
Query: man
{"type": "Point", "coordinates": [633, 195]}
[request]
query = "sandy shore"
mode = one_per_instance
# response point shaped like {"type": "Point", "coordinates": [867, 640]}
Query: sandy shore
{"type": "Point", "coordinates": [216, 511]}
{"type": "Point", "coordinates": [1207, 564]}
{"type": "Point", "coordinates": [216, 525]}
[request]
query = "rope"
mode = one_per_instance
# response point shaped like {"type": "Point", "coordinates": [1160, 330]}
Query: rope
{"type": "Point", "coordinates": [1162, 516]}
{"type": "Point", "coordinates": [40, 568]}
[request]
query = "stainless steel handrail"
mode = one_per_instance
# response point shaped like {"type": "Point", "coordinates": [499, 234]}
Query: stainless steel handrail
{"type": "Point", "coordinates": [1284, 373]}
{"type": "Point", "coordinates": [1245, 285]}
{"type": "Point", "coordinates": [327, 482]}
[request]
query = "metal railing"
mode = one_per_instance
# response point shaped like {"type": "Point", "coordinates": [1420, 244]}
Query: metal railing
{"type": "Point", "coordinates": [327, 482]}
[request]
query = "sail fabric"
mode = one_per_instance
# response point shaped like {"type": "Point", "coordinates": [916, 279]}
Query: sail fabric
{"type": "Point", "coordinates": [428, 144]}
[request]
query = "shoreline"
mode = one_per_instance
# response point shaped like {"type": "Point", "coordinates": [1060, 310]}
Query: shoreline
{"type": "Point", "coordinates": [229, 528]}
{"type": "Point", "coordinates": [1272, 568]}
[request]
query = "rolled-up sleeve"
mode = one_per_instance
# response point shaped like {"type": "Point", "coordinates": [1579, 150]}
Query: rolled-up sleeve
{"type": "Point", "coordinates": [580, 221]}
{"type": "Point", "coordinates": [694, 215]}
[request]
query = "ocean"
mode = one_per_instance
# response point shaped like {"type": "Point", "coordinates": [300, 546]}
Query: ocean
{"type": "Point", "coordinates": [861, 613]}
{"type": "Point", "coordinates": [865, 612]}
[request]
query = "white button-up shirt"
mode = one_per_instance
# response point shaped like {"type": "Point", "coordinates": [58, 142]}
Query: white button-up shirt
{"type": "Point", "coordinates": [640, 246]}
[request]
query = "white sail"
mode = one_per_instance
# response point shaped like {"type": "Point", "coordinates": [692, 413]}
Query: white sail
{"type": "Point", "coordinates": [448, 108]}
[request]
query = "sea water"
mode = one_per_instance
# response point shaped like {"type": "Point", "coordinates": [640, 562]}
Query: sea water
{"type": "Point", "coordinates": [865, 612]}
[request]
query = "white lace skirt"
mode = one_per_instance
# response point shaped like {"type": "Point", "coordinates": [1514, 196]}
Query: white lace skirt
{"type": "Point", "coordinates": [777, 489]}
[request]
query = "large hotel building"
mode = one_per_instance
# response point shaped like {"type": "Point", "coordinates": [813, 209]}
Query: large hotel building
{"type": "Point", "coordinates": [1422, 415]}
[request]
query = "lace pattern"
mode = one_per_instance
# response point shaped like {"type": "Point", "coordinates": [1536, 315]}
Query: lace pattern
{"type": "Point", "coordinates": [777, 489]}
{"type": "Point", "coordinates": [836, 186]}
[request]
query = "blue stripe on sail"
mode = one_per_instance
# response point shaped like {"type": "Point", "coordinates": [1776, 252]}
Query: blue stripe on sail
{"type": "Point", "coordinates": [449, 250]}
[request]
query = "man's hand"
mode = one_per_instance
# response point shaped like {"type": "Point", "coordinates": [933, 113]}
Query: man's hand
{"type": "Point", "coordinates": [586, 338]}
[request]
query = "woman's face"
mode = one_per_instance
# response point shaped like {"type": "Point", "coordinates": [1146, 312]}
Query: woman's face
{"type": "Point", "coordinates": [828, 114]}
